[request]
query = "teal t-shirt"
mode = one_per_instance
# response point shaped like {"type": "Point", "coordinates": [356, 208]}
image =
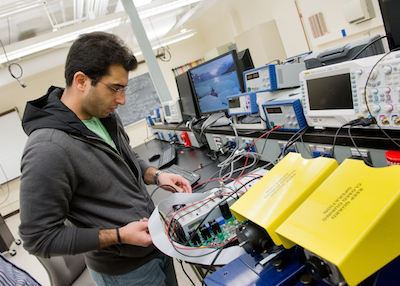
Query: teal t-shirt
{"type": "Point", "coordinates": [94, 124]}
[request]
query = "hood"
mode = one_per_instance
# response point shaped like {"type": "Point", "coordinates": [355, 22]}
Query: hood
{"type": "Point", "coordinates": [49, 112]}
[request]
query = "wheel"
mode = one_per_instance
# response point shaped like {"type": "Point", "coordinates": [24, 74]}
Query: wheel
{"type": "Point", "coordinates": [12, 252]}
{"type": "Point", "coordinates": [18, 242]}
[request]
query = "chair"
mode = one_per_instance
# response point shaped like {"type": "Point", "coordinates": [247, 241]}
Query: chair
{"type": "Point", "coordinates": [67, 270]}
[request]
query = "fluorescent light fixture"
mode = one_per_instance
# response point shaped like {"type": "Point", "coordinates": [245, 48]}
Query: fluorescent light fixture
{"type": "Point", "coordinates": [57, 41]}
{"type": "Point", "coordinates": [168, 41]}
{"type": "Point", "coordinates": [166, 7]}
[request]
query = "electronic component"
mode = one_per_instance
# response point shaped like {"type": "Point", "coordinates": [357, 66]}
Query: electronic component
{"type": "Point", "coordinates": [335, 95]}
{"type": "Point", "coordinates": [273, 77]}
{"type": "Point", "coordinates": [287, 113]}
{"type": "Point", "coordinates": [345, 52]}
{"type": "Point", "coordinates": [243, 103]}
{"type": "Point", "coordinates": [172, 111]}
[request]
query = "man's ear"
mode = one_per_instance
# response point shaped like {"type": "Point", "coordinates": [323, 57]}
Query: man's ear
{"type": "Point", "coordinates": [81, 80]}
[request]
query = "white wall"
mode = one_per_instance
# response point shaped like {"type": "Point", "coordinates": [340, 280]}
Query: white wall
{"type": "Point", "coordinates": [225, 20]}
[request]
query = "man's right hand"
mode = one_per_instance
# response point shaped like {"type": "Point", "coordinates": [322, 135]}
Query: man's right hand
{"type": "Point", "coordinates": [136, 233]}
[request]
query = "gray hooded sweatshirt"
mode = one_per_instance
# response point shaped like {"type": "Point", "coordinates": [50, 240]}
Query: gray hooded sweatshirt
{"type": "Point", "coordinates": [69, 173]}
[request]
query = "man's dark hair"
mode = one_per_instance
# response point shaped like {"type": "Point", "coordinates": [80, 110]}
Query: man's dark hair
{"type": "Point", "coordinates": [94, 53]}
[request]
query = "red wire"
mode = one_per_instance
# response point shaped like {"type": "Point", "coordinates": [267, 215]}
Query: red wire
{"type": "Point", "coordinates": [247, 158]}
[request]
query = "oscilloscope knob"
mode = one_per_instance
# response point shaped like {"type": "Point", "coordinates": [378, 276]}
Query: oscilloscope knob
{"type": "Point", "coordinates": [398, 107]}
{"type": "Point", "coordinates": [358, 72]}
{"type": "Point", "coordinates": [364, 109]}
{"type": "Point", "coordinates": [375, 108]}
{"type": "Point", "coordinates": [387, 89]}
{"type": "Point", "coordinates": [387, 69]}
{"type": "Point", "coordinates": [388, 108]}
{"type": "Point", "coordinates": [398, 89]}
{"type": "Point", "coordinates": [374, 74]}
{"type": "Point", "coordinates": [374, 91]}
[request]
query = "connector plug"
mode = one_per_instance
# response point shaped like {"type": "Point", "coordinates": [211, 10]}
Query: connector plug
{"type": "Point", "coordinates": [362, 121]}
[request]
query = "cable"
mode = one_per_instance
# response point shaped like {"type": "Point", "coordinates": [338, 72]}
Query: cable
{"type": "Point", "coordinates": [370, 44]}
{"type": "Point", "coordinates": [183, 269]}
{"type": "Point", "coordinates": [21, 83]}
{"type": "Point", "coordinates": [216, 256]}
{"type": "Point", "coordinates": [156, 189]}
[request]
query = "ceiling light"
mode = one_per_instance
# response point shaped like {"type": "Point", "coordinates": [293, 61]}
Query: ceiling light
{"type": "Point", "coordinates": [168, 41]}
{"type": "Point", "coordinates": [165, 8]}
{"type": "Point", "coordinates": [57, 41]}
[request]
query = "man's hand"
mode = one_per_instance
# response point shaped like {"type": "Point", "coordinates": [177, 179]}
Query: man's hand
{"type": "Point", "coordinates": [178, 182]}
{"type": "Point", "coordinates": [136, 233]}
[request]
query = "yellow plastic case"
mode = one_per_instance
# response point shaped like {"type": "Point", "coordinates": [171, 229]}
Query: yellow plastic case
{"type": "Point", "coordinates": [351, 220]}
{"type": "Point", "coordinates": [277, 195]}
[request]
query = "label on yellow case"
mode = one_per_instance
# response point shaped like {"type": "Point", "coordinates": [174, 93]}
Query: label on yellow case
{"type": "Point", "coordinates": [271, 201]}
{"type": "Point", "coordinates": [351, 220]}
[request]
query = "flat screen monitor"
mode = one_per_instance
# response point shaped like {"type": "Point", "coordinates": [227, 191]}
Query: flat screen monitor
{"type": "Point", "coordinates": [214, 80]}
{"type": "Point", "coordinates": [188, 104]}
{"type": "Point", "coordinates": [245, 60]}
{"type": "Point", "coordinates": [390, 10]}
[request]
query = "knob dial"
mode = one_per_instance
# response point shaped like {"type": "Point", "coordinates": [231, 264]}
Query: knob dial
{"type": "Point", "coordinates": [387, 89]}
{"type": "Point", "coordinates": [358, 72]}
{"type": "Point", "coordinates": [398, 89]}
{"type": "Point", "coordinates": [374, 74]}
{"type": "Point", "coordinates": [374, 91]}
{"type": "Point", "coordinates": [398, 107]}
{"type": "Point", "coordinates": [376, 108]}
{"type": "Point", "coordinates": [388, 108]}
{"type": "Point", "coordinates": [387, 69]}
{"type": "Point", "coordinates": [364, 108]}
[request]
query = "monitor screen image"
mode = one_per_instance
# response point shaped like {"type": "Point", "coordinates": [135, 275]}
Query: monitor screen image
{"type": "Point", "coordinates": [214, 80]}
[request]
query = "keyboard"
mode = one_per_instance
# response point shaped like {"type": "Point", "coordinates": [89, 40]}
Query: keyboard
{"type": "Point", "coordinates": [167, 157]}
{"type": "Point", "coordinates": [193, 178]}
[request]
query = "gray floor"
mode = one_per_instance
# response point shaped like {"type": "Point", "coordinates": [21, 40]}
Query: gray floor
{"type": "Point", "coordinates": [30, 264]}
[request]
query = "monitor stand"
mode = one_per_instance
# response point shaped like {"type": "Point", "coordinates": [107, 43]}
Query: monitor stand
{"type": "Point", "coordinates": [216, 119]}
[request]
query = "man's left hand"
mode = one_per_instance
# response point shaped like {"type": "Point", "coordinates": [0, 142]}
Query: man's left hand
{"type": "Point", "coordinates": [178, 182]}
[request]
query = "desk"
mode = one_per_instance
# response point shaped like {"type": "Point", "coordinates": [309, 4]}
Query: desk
{"type": "Point", "coordinates": [187, 158]}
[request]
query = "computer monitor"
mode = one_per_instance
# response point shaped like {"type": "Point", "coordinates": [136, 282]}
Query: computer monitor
{"type": "Point", "coordinates": [214, 80]}
{"type": "Point", "coordinates": [390, 15]}
{"type": "Point", "coordinates": [245, 60]}
{"type": "Point", "coordinates": [188, 104]}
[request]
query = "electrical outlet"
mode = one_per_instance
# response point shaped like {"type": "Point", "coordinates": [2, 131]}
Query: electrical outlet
{"type": "Point", "coordinates": [364, 153]}
{"type": "Point", "coordinates": [320, 151]}
{"type": "Point", "coordinates": [292, 147]}
{"type": "Point", "coordinates": [248, 142]}
{"type": "Point", "coordinates": [217, 141]}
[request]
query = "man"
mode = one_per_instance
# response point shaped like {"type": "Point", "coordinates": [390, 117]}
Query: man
{"type": "Point", "coordinates": [78, 165]}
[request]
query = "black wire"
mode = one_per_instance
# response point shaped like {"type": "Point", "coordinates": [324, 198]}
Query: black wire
{"type": "Point", "coordinates": [293, 139]}
{"type": "Point", "coordinates": [215, 258]}
{"type": "Point", "coordinates": [334, 140]}
{"type": "Point", "coordinates": [156, 189]}
{"type": "Point", "coordinates": [370, 44]}
{"type": "Point", "coordinates": [183, 269]}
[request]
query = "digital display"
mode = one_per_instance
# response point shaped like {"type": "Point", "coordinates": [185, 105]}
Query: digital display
{"type": "Point", "coordinates": [234, 102]}
{"type": "Point", "coordinates": [272, 110]}
{"type": "Point", "coordinates": [167, 110]}
{"type": "Point", "coordinates": [214, 81]}
{"type": "Point", "coordinates": [333, 92]}
{"type": "Point", "coordinates": [252, 76]}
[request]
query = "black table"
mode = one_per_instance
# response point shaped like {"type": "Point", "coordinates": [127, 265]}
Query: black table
{"type": "Point", "coordinates": [190, 159]}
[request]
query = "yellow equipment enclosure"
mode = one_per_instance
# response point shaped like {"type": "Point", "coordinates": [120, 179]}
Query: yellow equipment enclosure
{"type": "Point", "coordinates": [277, 195]}
{"type": "Point", "coordinates": [351, 220]}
